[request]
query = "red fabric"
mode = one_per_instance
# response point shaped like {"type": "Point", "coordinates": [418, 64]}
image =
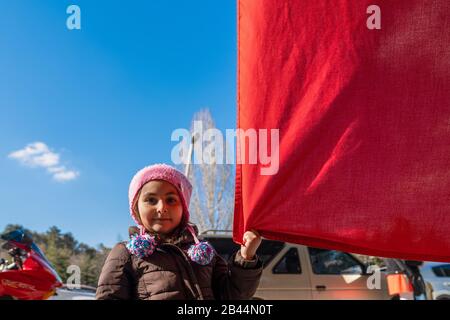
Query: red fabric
{"type": "Point", "coordinates": [364, 120]}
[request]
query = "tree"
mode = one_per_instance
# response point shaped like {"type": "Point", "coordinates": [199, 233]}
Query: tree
{"type": "Point", "coordinates": [90, 261]}
{"type": "Point", "coordinates": [212, 200]}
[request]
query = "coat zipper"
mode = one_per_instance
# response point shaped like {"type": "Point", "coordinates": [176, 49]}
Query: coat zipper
{"type": "Point", "coordinates": [190, 271]}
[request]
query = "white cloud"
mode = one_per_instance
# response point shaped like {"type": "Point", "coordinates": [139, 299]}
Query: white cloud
{"type": "Point", "coordinates": [47, 160]}
{"type": "Point", "coordinates": [56, 169]}
{"type": "Point", "coordinates": [35, 154]}
{"type": "Point", "coordinates": [65, 175]}
{"type": "Point", "coordinates": [38, 154]}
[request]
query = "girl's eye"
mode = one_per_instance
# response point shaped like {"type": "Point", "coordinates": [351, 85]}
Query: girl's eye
{"type": "Point", "coordinates": [152, 200]}
{"type": "Point", "coordinates": [171, 200]}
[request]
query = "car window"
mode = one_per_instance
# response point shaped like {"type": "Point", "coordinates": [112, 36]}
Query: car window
{"type": "Point", "coordinates": [289, 263]}
{"type": "Point", "coordinates": [442, 270]}
{"type": "Point", "coordinates": [333, 262]}
{"type": "Point", "coordinates": [268, 250]}
{"type": "Point", "coordinates": [226, 247]}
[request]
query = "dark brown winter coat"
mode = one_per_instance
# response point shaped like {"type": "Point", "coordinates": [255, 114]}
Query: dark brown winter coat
{"type": "Point", "coordinates": [169, 274]}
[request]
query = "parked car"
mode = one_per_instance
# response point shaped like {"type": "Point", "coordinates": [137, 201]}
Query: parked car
{"type": "Point", "coordinates": [437, 279]}
{"type": "Point", "coordinates": [405, 280]}
{"type": "Point", "coordinates": [293, 271]}
{"type": "Point", "coordinates": [81, 293]}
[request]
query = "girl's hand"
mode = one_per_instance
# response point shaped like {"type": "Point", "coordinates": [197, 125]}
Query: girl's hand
{"type": "Point", "coordinates": [251, 240]}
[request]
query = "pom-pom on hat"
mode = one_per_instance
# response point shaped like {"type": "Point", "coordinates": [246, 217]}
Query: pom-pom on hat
{"type": "Point", "coordinates": [160, 172]}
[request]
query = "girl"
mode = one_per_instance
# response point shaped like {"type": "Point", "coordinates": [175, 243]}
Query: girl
{"type": "Point", "coordinates": [164, 259]}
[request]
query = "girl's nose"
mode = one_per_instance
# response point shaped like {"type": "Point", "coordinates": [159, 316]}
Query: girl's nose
{"type": "Point", "coordinates": [161, 206]}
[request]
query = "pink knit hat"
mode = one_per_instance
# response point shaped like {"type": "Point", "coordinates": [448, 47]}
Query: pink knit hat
{"type": "Point", "coordinates": [160, 172]}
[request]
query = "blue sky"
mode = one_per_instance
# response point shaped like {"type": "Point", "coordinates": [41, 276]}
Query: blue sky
{"type": "Point", "coordinates": [104, 100]}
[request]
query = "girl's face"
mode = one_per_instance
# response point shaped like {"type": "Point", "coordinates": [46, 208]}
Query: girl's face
{"type": "Point", "coordinates": [159, 207]}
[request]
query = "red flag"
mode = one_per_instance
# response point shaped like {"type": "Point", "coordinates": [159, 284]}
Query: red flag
{"type": "Point", "coordinates": [360, 93]}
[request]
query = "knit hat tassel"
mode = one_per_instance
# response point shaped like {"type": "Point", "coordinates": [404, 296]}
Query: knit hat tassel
{"type": "Point", "coordinates": [142, 244]}
{"type": "Point", "coordinates": [201, 252]}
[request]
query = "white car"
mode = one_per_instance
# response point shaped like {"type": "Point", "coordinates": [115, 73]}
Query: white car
{"type": "Point", "coordinates": [437, 279]}
{"type": "Point", "coordinates": [83, 293]}
{"type": "Point", "coordinates": [296, 272]}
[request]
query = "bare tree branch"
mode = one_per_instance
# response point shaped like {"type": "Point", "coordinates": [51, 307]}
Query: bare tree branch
{"type": "Point", "coordinates": [212, 201]}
